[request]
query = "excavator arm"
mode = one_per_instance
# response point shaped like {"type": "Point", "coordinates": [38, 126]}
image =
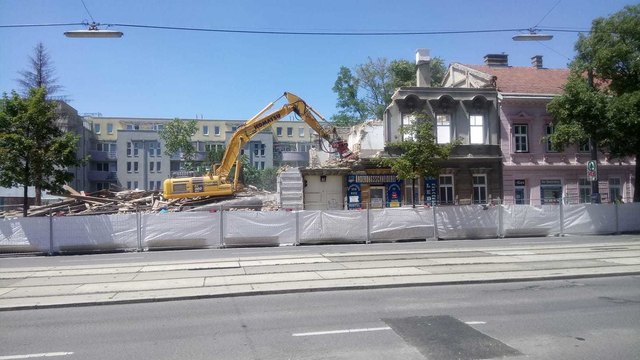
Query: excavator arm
{"type": "Point", "coordinates": [216, 184]}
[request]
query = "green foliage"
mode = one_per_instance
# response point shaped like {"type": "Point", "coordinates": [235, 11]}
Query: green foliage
{"type": "Point", "coordinates": [419, 152]}
{"type": "Point", "coordinates": [365, 92]}
{"type": "Point", "coordinates": [262, 179]}
{"type": "Point", "coordinates": [177, 137]}
{"type": "Point", "coordinates": [35, 152]}
{"type": "Point", "coordinates": [602, 96]}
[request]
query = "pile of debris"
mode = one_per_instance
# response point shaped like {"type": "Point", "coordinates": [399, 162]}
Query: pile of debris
{"type": "Point", "coordinates": [132, 201]}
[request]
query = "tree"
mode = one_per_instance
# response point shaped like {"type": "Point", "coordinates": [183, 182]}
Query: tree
{"type": "Point", "coordinates": [40, 74]}
{"type": "Point", "coordinates": [365, 92]}
{"type": "Point", "coordinates": [177, 137]}
{"type": "Point", "coordinates": [34, 151]}
{"type": "Point", "coordinates": [419, 154]}
{"type": "Point", "coordinates": [601, 98]}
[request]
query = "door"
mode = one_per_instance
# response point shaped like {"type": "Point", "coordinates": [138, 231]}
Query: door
{"type": "Point", "coordinates": [376, 197]}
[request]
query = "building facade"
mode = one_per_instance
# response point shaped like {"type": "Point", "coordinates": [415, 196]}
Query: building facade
{"type": "Point", "coordinates": [128, 153]}
{"type": "Point", "coordinates": [533, 172]}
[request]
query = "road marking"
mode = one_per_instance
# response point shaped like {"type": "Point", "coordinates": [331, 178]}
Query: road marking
{"type": "Point", "coordinates": [475, 322]}
{"type": "Point", "coordinates": [345, 331]}
{"type": "Point", "coordinates": [541, 242]}
{"type": "Point", "coordinates": [28, 356]}
{"type": "Point", "coordinates": [110, 259]}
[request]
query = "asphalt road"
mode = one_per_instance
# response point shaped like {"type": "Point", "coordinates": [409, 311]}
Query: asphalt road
{"type": "Point", "coordinates": [577, 319]}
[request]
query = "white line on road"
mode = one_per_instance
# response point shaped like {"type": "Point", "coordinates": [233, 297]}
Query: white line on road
{"type": "Point", "coordinates": [28, 356]}
{"type": "Point", "coordinates": [475, 322]}
{"type": "Point", "coordinates": [345, 331]}
{"type": "Point", "coordinates": [541, 242]}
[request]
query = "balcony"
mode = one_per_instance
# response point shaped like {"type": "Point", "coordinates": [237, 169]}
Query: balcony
{"type": "Point", "coordinates": [95, 175]}
{"type": "Point", "coordinates": [102, 155]}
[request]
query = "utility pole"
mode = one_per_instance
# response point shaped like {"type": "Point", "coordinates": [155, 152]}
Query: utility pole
{"type": "Point", "coordinates": [593, 147]}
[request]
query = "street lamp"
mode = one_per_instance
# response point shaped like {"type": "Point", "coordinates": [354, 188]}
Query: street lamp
{"type": "Point", "coordinates": [532, 36]}
{"type": "Point", "coordinates": [93, 32]}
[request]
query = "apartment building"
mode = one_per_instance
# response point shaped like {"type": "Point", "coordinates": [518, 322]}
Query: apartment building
{"type": "Point", "coordinates": [533, 172]}
{"type": "Point", "coordinates": [128, 153]}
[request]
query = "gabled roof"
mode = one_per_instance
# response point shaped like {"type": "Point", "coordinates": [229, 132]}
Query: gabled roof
{"type": "Point", "coordinates": [525, 80]}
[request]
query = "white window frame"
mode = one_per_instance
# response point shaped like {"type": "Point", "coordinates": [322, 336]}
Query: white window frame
{"type": "Point", "coordinates": [479, 197]}
{"type": "Point", "coordinates": [301, 132]}
{"type": "Point", "coordinates": [205, 130]}
{"type": "Point", "coordinates": [96, 128]}
{"type": "Point", "coordinates": [446, 187]}
{"type": "Point", "coordinates": [548, 130]}
{"type": "Point", "coordinates": [289, 131]}
{"type": "Point", "coordinates": [618, 186]}
{"type": "Point", "coordinates": [443, 128]}
{"type": "Point", "coordinates": [109, 128]}
{"type": "Point", "coordinates": [476, 129]}
{"type": "Point", "coordinates": [407, 121]}
{"type": "Point", "coordinates": [279, 131]}
{"type": "Point", "coordinates": [524, 138]}
{"type": "Point", "coordinates": [216, 130]}
{"type": "Point", "coordinates": [584, 191]}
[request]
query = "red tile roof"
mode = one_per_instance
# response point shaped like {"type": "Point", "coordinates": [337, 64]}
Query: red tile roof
{"type": "Point", "coordinates": [526, 80]}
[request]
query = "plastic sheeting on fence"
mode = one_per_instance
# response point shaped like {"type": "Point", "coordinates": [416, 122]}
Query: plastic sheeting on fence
{"type": "Point", "coordinates": [526, 220]}
{"type": "Point", "coordinates": [333, 226]}
{"type": "Point", "coordinates": [93, 233]}
{"type": "Point", "coordinates": [396, 224]}
{"type": "Point", "coordinates": [180, 230]}
{"type": "Point", "coordinates": [467, 222]}
{"type": "Point", "coordinates": [254, 228]}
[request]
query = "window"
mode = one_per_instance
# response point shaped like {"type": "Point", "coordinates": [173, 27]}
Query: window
{"type": "Point", "coordinates": [479, 189]}
{"type": "Point", "coordinates": [150, 185]}
{"type": "Point", "coordinates": [102, 166]}
{"type": "Point", "coordinates": [550, 191]}
{"type": "Point", "coordinates": [96, 128]}
{"type": "Point", "coordinates": [135, 184]}
{"type": "Point", "coordinates": [476, 129]}
{"type": "Point", "coordinates": [256, 149]}
{"type": "Point", "coordinates": [407, 120]}
{"type": "Point", "coordinates": [615, 189]}
{"type": "Point", "coordinates": [521, 138]}
{"type": "Point", "coordinates": [446, 189]}
{"type": "Point", "coordinates": [135, 166]}
{"type": "Point", "coordinates": [443, 125]}
{"type": "Point", "coordinates": [129, 146]}
{"type": "Point", "coordinates": [158, 127]}
{"type": "Point", "coordinates": [301, 132]}
{"type": "Point", "coordinates": [549, 132]}
{"type": "Point", "coordinates": [136, 148]}
{"type": "Point", "coordinates": [583, 146]}
{"type": "Point", "coordinates": [261, 165]}
{"type": "Point", "coordinates": [279, 131]}
{"type": "Point", "coordinates": [152, 151]}
{"type": "Point", "coordinates": [520, 191]}
{"type": "Point", "coordinates": [109, 128]}
{"type": "Point", "coordinates": [289, 131]}
{"type": "Point", "coordinates": [584, 188]}
{"type": "Point", "coordinates": [133, 127]}
{"type": "Point", "coordinates": [151, 166]}
{"type": "Point", "coordinates": [205, 130]}
{"type": "Point", "coordinates": [128, 184]}
{"type": "Point", "coordinates": [158, 166]}
{"type": "Point", "coordinates": [216, 130]}
{"type": "Point", "coordinates": [128, 166]}
{"type": "Point", "coordinates": [158, 152]}
{"type": "Point", "coordinates": [262, 149]}
{"type": "Point", "coordinates": [158, 185]}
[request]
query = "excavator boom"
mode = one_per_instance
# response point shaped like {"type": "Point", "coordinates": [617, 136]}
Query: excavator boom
{"type": "Point", "coordinates": [216, 182]}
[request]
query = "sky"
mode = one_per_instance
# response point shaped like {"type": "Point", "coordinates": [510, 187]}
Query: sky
{"type": "Point", "coordinates": [155, 73]}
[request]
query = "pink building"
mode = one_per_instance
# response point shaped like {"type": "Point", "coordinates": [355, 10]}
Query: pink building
{"type": "Point", "coordinates": [532, 172]}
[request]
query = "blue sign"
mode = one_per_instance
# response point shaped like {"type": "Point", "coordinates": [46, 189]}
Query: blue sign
{"type": "Point", "coordinates": [394, 196]}
{"type": "Point", "coordinates": [354, 196]}
{"type": "Point", "coordinates": [430, 191]}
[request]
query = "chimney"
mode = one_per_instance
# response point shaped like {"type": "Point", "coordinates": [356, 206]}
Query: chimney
{"type": "Point", "coordinates": [423, 68]}
{"type": "Point", "coordinates": [496, 60]}
{"type": "Point", "coordinates": [536, 62]}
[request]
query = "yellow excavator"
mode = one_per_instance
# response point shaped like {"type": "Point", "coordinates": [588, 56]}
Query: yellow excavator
{"type": "Point", "coordinates": [216, 182]}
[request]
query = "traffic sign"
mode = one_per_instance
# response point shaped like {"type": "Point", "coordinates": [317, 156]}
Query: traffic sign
{"type": "Point", "coordinates": [592, 170]}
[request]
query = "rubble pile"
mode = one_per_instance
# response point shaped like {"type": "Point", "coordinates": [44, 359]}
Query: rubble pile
{"type": "Point", "coordinates": [106, 202]}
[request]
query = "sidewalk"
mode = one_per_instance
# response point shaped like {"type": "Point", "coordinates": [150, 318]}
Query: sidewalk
{"type": "Point", "coordinates": [118, 283]}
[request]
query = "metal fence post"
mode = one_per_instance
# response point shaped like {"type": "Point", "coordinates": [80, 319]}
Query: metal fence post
{"type": "Point", "coordinates": [435, 223]}
{"type": "Point", "coordinates": [369, 223]}
{"type": "Point", "coordinates": [50, 233]}
{"type": "Point", "coordinates": [221, 227]}
{"type": "Point", "coordinates": [297, 242]}
{"type": "Point", "coordinates": [500, 220]}
{"type": "Point", "coordinates": [139, 228]}
{"type": "Point", "coordinates": [617, 217]}
{"type": "Point", "coordinates": [561, 217]}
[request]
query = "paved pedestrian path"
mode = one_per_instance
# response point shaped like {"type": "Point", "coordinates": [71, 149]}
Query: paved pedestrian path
{"type": "Point", "coordinates": [129, 282]}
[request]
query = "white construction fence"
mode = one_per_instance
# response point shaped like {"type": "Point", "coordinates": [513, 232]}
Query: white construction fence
{"type": "Point", "coordinates": [215, 229]}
